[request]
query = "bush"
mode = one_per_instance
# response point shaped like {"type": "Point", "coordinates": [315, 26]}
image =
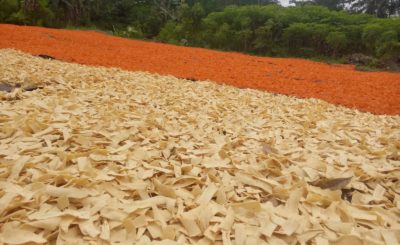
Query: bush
{"type": "Point", "coordinates": [7, 9]}
{"type": "Point", "coordinates": [222, 37]}
{"type": "Point", "coordinates": [370, 36]}
{"type": "Point", "coordinates": [129, 32]}
{"type": "Point", "coordinates": [264, 38]}
{"type": "Point", "coordinates": [337, 42]}
{"type": "Point", "coordinates": [389, 52]}
{"type": "Point", "coordinates": [297, 36]}
{"type": "Point", "coordinates": [168, 33]}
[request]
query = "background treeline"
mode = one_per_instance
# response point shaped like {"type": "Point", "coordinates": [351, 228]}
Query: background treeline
{"type": "Point", "coordinates": [365, 31]}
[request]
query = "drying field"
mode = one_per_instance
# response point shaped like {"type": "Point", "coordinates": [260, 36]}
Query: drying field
{"type": "Point", "coordinates": [100, 155]}
{"type": "Point", "coordinates": [376, 92]}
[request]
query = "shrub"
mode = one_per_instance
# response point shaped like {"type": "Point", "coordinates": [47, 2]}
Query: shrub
{"type": "Point", "coordinates": [371, 34]}
{"type": "Point", "coordinates": [337, 41]}
{"type": "Point", "coordinates": [7, 9]}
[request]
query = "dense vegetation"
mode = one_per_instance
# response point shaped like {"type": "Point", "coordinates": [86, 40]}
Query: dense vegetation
{"type": "Point", "coordinates": [259, 27]}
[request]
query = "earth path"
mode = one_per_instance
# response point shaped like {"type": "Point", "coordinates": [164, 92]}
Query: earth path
{"type": "Point", "coordinates": [376, 92]}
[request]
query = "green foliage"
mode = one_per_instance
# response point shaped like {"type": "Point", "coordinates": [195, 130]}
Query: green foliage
{"type": "Point", "coordinates": [306, 39]}
{"type": "Point", "coordinates": [388, 47]}
{"type": "Point", "coordinates": [337, 41]}
{"type": "Point", "coordinates": [38, 13]}
{"type": "Point", "coordinates": [222, 37]}
{"type": "Point", "coordinates": [7, 9]}
{"type": "Point", "coordinates": [297, 36]}
{"type": "Point", "coordinates": [19, 18]}
{"type": "Point", "coordinates": [129, 32]}
{"type": "Point", "coordinates": [168, 33]}
{"type": "Point", "coordinates": [185, 29]}
{"type": "Point", "coordinates": [381, 8]}
{"type": "Point", "coordinates": [370, 36]}
{"type": "Point", "coordinates": [390, 50]}
{"type": "Point", "coordinates": [43, 14]}
{"type": "Point", "coordinates": [264, 38]}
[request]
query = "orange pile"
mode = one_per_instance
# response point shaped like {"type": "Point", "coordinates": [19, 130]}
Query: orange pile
{"type": "Point", "coordinates": [376, 92]}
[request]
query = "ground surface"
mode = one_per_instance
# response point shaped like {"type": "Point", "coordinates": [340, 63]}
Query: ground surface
{"type": "Point", "coordinates": [376, 92]}
{"type": "Point", "coordinates": [99, 156]}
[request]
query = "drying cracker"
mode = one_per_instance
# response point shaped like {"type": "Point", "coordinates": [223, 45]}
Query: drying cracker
{"type": "Point", "coordinates": [108, 156]}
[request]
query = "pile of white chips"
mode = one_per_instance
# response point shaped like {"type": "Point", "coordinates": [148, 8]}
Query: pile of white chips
{"type": "Point", "coordinates": [105, 156]}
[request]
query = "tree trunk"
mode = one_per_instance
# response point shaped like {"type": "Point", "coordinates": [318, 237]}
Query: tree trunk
{"type": "Point", "coordinates": [30, 5]}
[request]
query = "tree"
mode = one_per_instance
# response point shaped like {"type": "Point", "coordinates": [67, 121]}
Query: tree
{"type": "Point", "coordinates": [258, 2]}
{"type": "Point", "coordinates": [337, 41]}
{"type": "Point", "coordinates": [167, 7]}
{"type": "Point", "coordinates": [7, 8]}
{"type": "Point", "coordinates": [370, 36]}
{"type": "Point", "coordinates": [74, 11]}
{"type": "Point", "coordinates": [264, 38]}
{"type": "Point", "coordinates": [34, 12]}
{"type": "Point", "coordinates": [330, 4]}
{"type": "Point", "coordinates": [223, 37]}
{"type": "Point", "coordinates": [388, 46]}
{"type": "Point", "coordinates": [379, 8]}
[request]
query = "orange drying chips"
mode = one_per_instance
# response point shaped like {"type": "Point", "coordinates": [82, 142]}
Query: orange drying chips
{"type": "Point", "coordinates": [376, 92]}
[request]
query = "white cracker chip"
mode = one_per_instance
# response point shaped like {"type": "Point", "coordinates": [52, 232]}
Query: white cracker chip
{"type": "Point", "coordinates": [108, 156]}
